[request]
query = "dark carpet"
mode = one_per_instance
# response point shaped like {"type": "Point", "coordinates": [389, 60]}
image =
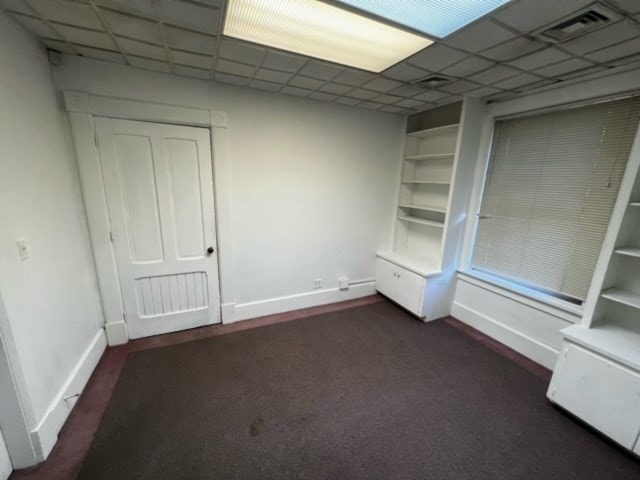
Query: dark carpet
{"type": "Point", "coordinates": [366, 393]}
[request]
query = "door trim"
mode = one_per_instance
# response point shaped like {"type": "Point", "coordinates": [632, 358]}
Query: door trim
{"type": "Point", "coordinates": [82, 107]}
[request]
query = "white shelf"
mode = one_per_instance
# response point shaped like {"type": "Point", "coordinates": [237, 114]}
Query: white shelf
{"type": "Point", "coordinates": [421, 221]}
{"type": "Point", "coordinates": [425, 182]}
{"type": "Point", "coordinates": [628, 251]}
{"type": "Point", "coordinates": [634, 204]}
{"type": "Point", "coordinates": [423, 266]}
{"type": "Point", "coordinates": [435, 131]}
{"type": "Point", "coordinates": [430, 156]}
{"type": "Point", "coordinates": [424, 207]}
{"type": "Point", "coordinates": [610, 339]}
{"type": "Point", "coordinates": [630, 299]}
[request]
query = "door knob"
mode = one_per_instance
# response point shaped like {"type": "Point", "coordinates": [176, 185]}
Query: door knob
{"type": "Point", "coordinates": [210, 250]}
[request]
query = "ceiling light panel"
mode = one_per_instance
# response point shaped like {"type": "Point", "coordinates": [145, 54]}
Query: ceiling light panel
{"type": "Point", "coordinates": [321, 30]}
{"type": "Point", "coordinates": [433, 17]}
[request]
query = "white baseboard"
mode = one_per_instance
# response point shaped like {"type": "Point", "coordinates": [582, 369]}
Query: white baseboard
{"type": "Point", "coordinates": [45, 435]}
{"type": "Point", "coordinates": [245, 311]}
{"type": "Point", "coordinates": [117, 333]}
{"type": "Point", "coordinates": [523, 344]}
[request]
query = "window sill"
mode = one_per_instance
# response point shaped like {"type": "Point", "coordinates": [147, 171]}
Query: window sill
{"type": "Point", "coordinates": [540, 301]}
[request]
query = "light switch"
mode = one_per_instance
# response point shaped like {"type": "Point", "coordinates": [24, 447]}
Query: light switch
{"type": "Point", "coordinates": [23, 251]}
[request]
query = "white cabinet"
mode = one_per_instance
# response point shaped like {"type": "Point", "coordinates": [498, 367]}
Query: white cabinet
{"type": "Point", "coordinates": [400, 285]}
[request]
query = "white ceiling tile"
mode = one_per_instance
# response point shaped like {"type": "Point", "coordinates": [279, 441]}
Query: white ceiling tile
{"type": "Point", "coordinates": [391, 109]}
{"type": "Point", "coordinates": [16, 6]}
{"type": "Point", "coordinates": [35, 26]}
{"type": "Point", "coordinates": [305, 82]}
{"type": "Point", "coordinates": [193, 72]}
{"type": "Point", "coordinates": [59, 46]}
{"type": "Point", "coordinates": [407, 90]}
{"type": "Point", "coordinates": [630, 47]}
{"type": "Point", "coordinates": [460, 86]}
{"type": "Point", "coordinates": [495, 74]}
{"type": "Point", "coordinates": [190, 41]}
{"type": "Point", "coordinates": [479, 36]}
{"type": "Point", "coordinates": [299, 92]}
{"type": "Point", "coordinates": [630, 6]}
{"type": "Point", "coordinates": [240, 52]}
{"type": "Point", "coordinates": [529, 15]}
{"type": "Point", "coordinates": [273, 76]}
{"type": "Point", "coordinates": [431, 96]}
{"type": "Point", "coordinates": [336, 88]}
{"type": "Point", "coordinates": [603, 37]}
{"type": "Point", "coordinates": [190, 15]}
{"type": "Point", "coordinates": [232, 79]}
{"type": "Point", "coordinates": [381, 84]}
{"type": "Point", "coordinates": [517, 81]}
{"type": "Point", "coordinates": [409, 103]}
{"type": "Point", "coordinates": [141, 49]}
{"type": "Point", "coordinates": [625, 60]}
{"type": "Point", "coordinates": [142, 8]}
{"type": "Point", "coordinates": [541, 83]}
{"type": "Point", "coordinates": [405, 72]}
{"type": "Point", "coordinates": [362, 94]}
{"type": "Point", "coordinates": [539, 59]}
{"type": "Point", "coordinates": [320, 70]}
{"type": "Point", "coordinates": [86, 37]}
{"type": "Point", "coordinates": [234, 68]}
{"type": "Point", "coordinates": [262, 85]}
{"type": "Point", "coordinates": [283, 61]}
{"type": "Point", "coordinates": [149, 64]}
{"type": "Point", "coordinates": [348, 101]}
{"type": "Point", "coordinates": [483, 92]}
{"type": "Point", "coordinates": [468, 66]}
{"type": "Point", "coordinates": [562, 67]}
{"type": "Point", "coordinates": [204, 62]}
{"type": "Point", "coordinates": [128, 26]}
{"type": "Point", "coordinates": [512, 49]}
{"type": "Point", "coordinates": [436, 57]}
{"type": "Point", "coordinates": [106, 55]}
{"type": "Point", "coordinates": [327, 97]}
{"type": "Point", "coordinates": [71, 13]}
{"type": "Point", "coordinates": [387, 99]}
{"type": "Point", "coordinates": [449, 99]}
{"type": "Point", "coordinates": [354, 77]}
{"type": "Point", "coordinates": [584, 72]}
{"type": "Point", "coordinates": [371, 105]}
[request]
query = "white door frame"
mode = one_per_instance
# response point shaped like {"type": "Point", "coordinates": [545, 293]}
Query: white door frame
{"type": "Point", "coordinates": [82, 107]}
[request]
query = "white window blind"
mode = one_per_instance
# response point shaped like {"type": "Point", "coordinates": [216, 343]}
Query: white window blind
{"type": "Point", "coordinates": [550, 189]}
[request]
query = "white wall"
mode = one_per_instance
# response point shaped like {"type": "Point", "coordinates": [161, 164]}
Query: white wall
{"type": "Point", "coordinates": [312, 184]}
{"type": "Point", "coordinates": [5, 463]}
{"type": "Point", "coordinates": [51, 299]}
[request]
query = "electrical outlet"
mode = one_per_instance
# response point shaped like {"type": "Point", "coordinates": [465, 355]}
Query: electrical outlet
{"type": "Point", "coordinates": [317, 283]}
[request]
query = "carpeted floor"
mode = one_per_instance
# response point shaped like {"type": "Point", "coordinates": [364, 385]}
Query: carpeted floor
{"type": "Point", "coordinates": [366, 393]}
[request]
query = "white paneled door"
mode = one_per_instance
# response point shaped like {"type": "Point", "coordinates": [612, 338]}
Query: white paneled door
{"type": "Point", "coordinates": [159, 188]}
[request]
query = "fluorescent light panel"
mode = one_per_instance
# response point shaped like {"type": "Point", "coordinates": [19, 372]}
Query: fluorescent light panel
{"type": "Point", "coordinates": [433, 17]}
{"type": "Point", "coordinates": [320, 30]}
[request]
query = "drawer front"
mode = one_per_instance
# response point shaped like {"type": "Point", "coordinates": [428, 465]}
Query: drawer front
{"type": "Point", "coordinates": [385, 278]}
{"type": "Point", "coordinates": [409, 290]}
{"type": "Point", "coordinates": [600, 392]}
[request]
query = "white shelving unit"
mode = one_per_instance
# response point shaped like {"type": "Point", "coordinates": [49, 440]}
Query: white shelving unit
{"type": "Point", "coordinates": [417, 270]}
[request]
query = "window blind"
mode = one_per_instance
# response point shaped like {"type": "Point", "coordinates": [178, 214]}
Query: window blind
{"type": "Point", "coordinates": [551, 185]}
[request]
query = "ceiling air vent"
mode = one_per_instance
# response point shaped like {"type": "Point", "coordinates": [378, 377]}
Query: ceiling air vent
{"type": "Point", "coordinates": [585, 21]}
{"type": "Point", "coordinates": [432, 81]}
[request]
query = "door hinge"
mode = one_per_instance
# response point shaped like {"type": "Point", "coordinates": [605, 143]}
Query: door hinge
{"type": "Point", "coordinates": [111, 236]}
{"type": "Point", "coordinates": [95, 140]}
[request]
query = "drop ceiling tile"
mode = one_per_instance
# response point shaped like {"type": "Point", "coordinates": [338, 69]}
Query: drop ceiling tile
{"type": "Point", "coordinates": [336, 88]}
{"type": "Point", "coordinates": [409, 103]}
{"type": "Point", "coordinates": [431, 96]}
{"type": "Point", "coordinates": [449, 99]}
{"type": "Point", "coordinates": [584, 72]}
{"type": "Point", "coordinates": [381, 84]}
{"type": "Point", "coordinates": [192, 72]}
{"type": "Point", "coordinates": [190, 41]}
{"type": "Point", "coordinates": [71, 13]}
{"type": "Point", "coordinates": [59, 46]}
{"type": "Point", "coordinates": [363, 94]}
{"type": "Point", "coordinates": [240, 52]}
{"type": "Point", "coordinates": [436, 57]}
{"type": "Point", "coordinates": [204, 62]}
{"type": "Point", "coordinates": [232, 79]}
{"type": "Point", "coordinates": [405, 72]}
{"type": "Point", "coordinates": [460, 86]}
{"type": "Point", "coordinates": [142, 8]}
{"type": "Point", "coordinates": [541, 83]}
{"type": "Point", "coordinates": [273, 76]}
{"type": "Point", "coordinates": [348, 101]}
{"type": "Point", "coordinates": [141, 49]}
{"type": "Point", "coordinates": [529, 15]}
{"type": "Point", "coordinates": [468, 66]}
{"type": "Point", "coordinates": [500, 96]}
{"type": "Point", "coordinates": [98, 54]}
{"type": "Point", "coordinates": [17, 6]}
{"type": "Point", "coordinates": [407, 90]}
{"type": "Point", "coordinates": [283, 61]}
{"type": "Point", "coordinates": [35, 26]}
{"type": "Point", "coordinates": [371, 105]}
{"type": "Point", "coordinates": [234, 68]}
{"type": "Point", "coordinates": [604, 37]}
{"type": "Point", "coordinates": [133, 27]}
{"type": "Point", "coordinates": [387, 99]}
{"type": "Point", "coordinates": [89, 38]}
{"type": "Point", "coordinates": [620, 50]}
{"type": "Point", "coordinates": [190, 15]}
{"type": "Point", "coordinates": [320, 70]}
{"type": "Point", "coordinates": [149, 64]}
{"type": "Point", "coordinates": [630, 6]}
{"type": "Point", "coordinates": [625, 60]}
{"type": "Point", "coordinates": [512, 49]}
{"type": "Point", "coordinates": [262, 85]}
{"type": "Point", "coordinates": [484, 92]}
{"type": "Point", "coordinates": [327, 97]}
{"type": "Point", "coordinates": [479, 36]}
{"type": "Point", "coordinates": [300, 92]}
{"type": "Point", "coordinates": [354, 77]}
{"type": "Point", "coordinates": [561, 68]}
{"type": "Point", "coordinates": [539, 59]}
{"type": "Point", "coordinates": [495, 74]}
{"type": "Point", "coordinates": [305, 82]}
{"type": "Point", "coordinates": [517, 81]}
{"type": "Point", "coordinates": [391, 109]}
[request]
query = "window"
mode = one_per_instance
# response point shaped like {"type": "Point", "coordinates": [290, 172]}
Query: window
{"type": "Point", "coordinates": [551, 185]}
